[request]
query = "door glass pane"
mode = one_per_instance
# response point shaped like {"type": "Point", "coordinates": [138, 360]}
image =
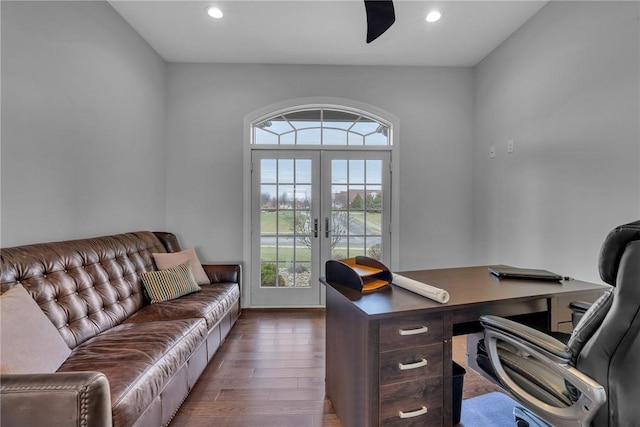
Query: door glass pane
{"type": "Point", "coordinates": [268, 196]}
{"type": "Point", "coordinates": [373, 223]}
{"type": "Point", "coordinates": [268, 274]}
{"type": "Point", "coordinates": [374, 247]}
{"type": "Point", "coordinates": [339, 248]}
{"type": "Point", "coordinates": [285, 248]}
{"type": "Point", "coordinates": [302, 271]}
{"type": "Point", "coordinates": [285, 171]}
{"type": "Point", "coordinates": [339, 171]}
{"type": "Point", "coordinates": [374, 172]}
{"type": "Point", "coordinates": [356, 208]}
{"type": "Point", "coordinates": [339, 198]}
{"type": "Point", "coordinates": [356, 246]}
{"type": "Point", "coordinates": [303, 251]}
{"type": "Point", "coordinates": [286, 224]}
{"type": "Point", "coordinates": [303, 171]}
{"type": "Point", "coordinates": [356, 201]}
{"type": "Point", "coordinates": [269, 168]}
{"type": "Point", "coordinates": [302, 196]}
{"type": "Point", "coordinates": [356, 171]}
{"type": "Point", "coordinates": [268, 249]}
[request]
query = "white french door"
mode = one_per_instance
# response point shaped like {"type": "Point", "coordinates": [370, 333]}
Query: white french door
{"type": "Point", "coordinates": [285, 228]}
{"type": "Point", "coordinates": [309, 206]}
{"type": "Point", "coordinates": [355, 208]}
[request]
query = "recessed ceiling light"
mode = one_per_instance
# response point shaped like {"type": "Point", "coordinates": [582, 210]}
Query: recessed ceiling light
{"type": "Point", "coordinates": [214, 12]}
{"type": "Point", "coordinates": [434, 16]}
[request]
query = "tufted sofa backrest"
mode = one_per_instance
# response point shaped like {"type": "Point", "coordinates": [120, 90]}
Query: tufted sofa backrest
{"type": "Point", "coordinates": [84, 286]}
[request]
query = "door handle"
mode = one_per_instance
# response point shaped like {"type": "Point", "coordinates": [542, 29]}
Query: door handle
{"type": "Point", "coordinates": [315, 227]}
{"type": "Point", "coordinates": [326, 227]}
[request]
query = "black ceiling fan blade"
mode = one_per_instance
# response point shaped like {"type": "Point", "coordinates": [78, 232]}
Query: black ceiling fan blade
{"type": "Point", "coordinates": [380, 16]}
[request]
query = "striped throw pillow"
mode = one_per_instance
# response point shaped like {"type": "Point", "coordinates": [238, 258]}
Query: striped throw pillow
{"type": "Point", "coordinates": [165, 285]}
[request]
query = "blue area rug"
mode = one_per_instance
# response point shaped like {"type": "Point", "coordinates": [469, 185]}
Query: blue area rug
{"type": "Point", "coordinates": [489, 410]}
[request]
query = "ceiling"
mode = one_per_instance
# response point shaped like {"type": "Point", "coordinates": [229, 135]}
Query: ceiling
{"type": "Point", "coordinates": [325, 31]}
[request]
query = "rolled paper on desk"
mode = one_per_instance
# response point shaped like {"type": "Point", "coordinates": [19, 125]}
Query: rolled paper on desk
{"type": "Point", "coordinates": [431, 292]}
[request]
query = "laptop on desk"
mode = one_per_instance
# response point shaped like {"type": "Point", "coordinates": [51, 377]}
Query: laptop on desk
{"type": "Point", "coordinates": [508, 272]}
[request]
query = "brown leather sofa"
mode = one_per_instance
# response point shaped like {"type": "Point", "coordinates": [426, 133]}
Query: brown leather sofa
{"type": "Point", "coordinates": [132, 363]}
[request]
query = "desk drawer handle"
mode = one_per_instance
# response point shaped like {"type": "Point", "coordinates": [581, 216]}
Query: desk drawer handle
{"type": "Point", "coordinates": [412, 414]}
{"type": "Point", "coordinates": [416, 331]}
{"type": "Point", "coordinates": [407, 366]}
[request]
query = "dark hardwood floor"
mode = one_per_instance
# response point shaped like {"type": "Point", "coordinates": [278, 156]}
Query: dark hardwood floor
{"type": "Point", "coordinates": [270, 372]}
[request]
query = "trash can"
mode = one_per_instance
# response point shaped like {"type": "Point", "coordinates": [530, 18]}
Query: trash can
{"type": "Point", "coordinates": [456, 387]}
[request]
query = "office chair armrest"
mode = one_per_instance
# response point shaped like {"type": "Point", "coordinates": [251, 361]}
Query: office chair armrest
{"type": "Point", "coordinates": [579, 306]}
{"type": "Point", "coordinates": [578, 309]}
{"type": "Point", "coordinates": [592, 395]}
{"type": "Point", "coordinates": [554, 349]}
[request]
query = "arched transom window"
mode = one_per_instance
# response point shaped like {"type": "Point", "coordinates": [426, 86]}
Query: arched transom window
{"type": "Point", "coordinates": [321, 126]}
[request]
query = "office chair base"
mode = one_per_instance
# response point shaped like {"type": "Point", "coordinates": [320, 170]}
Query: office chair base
{"type": "Point", "coordinates": [526, 418]}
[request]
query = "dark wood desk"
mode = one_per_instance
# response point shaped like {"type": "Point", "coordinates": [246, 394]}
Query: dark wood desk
{"type": "Point", "coordinates": [388, 353]}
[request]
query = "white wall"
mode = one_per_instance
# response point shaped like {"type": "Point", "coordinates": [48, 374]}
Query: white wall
{"type": "Point", "coordinates": [565, 87]}
{"type": "Point", "coordinates": [83, 106]}
{"type": "Point", "coordinates": [84, 103]}
{"type": "Point", "coordinates": [208, 102]}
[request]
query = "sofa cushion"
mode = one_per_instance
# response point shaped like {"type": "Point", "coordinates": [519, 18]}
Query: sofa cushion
{"type": "Point", "coordinates": [30, 342]}
{"type": "Point", "coordinates": [210, 303]}
{"type": "Point", "coordinates": [165, 285]}
{"type": "Point", "coordinates": [171, 259]}
{"type": "Point", "coordinates": [138, 360]}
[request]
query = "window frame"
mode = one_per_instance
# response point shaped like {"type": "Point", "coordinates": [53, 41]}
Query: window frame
{"type": "Point", "coordinates": [361, 114]}
{"type": "Point", "coordinates": [341, 104]}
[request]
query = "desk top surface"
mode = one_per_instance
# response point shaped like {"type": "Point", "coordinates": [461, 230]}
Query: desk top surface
{"type": "Point", "coordinates": [467, 286]}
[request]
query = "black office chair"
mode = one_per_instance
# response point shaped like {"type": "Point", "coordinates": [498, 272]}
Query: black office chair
{"type": "Point", "coordinates": [593, 379]}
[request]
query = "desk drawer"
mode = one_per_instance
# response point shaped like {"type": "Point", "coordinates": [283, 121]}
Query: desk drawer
{"type": "Point", "coordinates": [410, 331]}
{"type": "Point", "coordinates": [406, 364]}
{"type": "Point", "coordinates": [412, 403]}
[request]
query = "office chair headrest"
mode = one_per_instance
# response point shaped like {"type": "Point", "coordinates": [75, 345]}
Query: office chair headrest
{"type": "Point", "coordinates": [613, 248]}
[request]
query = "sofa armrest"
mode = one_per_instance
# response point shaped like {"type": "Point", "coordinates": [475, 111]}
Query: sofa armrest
{"type": "Point", "coordinates": [65, 399]}
{"type": "Point", "coordinates": [169, 241]}
{"type": "Point", "coordinates": [220, 273]}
